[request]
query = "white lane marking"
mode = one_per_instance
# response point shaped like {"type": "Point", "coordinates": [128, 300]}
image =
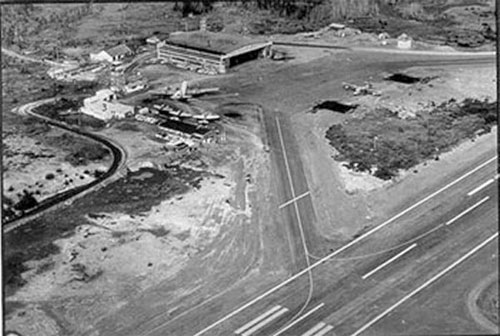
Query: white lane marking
{"type": "Point", "coordinates": [299, 221]}
{"type": "Point", "coordinates": [299, 319]}
{"type": "Point", "coordinates": [467, 210]}
{"type": "Point", "coordinates": [484, 185]}
{"type": "Point", "coordinates": [290, 181]}
{"type": "Point", "coordinates": [314, 329]}
{"type": "Point", "coordinates": [342, 249]}
{"type": "Point", "coordinates": [257, 319]}
{"type": "Point", "coordinates": [266, 321]}
{"type": "Point", "coordinates": [324, 330]}
{"type": "Point", "coordinates": [389, 261]}
{"type": "Point", "coordinates": [293, 200]}
{"type": "Point", "coordinates": [427, 283]}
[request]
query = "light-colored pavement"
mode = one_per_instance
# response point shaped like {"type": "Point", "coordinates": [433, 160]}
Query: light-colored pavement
{"type": "Point", "coordinates": [286, 292]}
{"type": "Point", "coordinates": [217, 319]}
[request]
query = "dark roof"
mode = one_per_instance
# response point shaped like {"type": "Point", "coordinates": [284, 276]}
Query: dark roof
{"type": "Point", "coordinates": [184, 127]}
{"type": "Point", "coordinates": [212, 42]}
{"type": "Point", "coordinates": [118, 50]}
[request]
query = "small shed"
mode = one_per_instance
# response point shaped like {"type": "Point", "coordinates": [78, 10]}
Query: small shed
{"type": "Point", "coordinates": [404, 41]}
{"type": "Point", "coordinates": [153, 40]}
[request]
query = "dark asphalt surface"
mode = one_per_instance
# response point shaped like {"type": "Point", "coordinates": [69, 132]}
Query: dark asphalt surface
{"type": "Point", "coordinates": [61, 197]}
{"type": "Point", "coordinates": [349, 300]}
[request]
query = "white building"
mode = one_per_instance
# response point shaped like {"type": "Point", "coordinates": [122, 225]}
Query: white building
{"type": "Point", "coordinates": [111, 55]}
{"type": "Point", "coordinates": [404, 41]}
{"type": "Point", "coordinates": [102, 106]}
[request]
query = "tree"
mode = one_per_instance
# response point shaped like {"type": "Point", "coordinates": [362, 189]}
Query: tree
{"type": "Point", "coordinates": [26, 202]}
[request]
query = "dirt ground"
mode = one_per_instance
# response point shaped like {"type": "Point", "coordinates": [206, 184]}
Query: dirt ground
{"type": "Point", "coordinates": [125, 248]}
{"type": "Point", "coordinates": [352, 189]}
{"type": "Point", "coordinates": [50, 173]}
{"type": "Point", "coordinates": [115, 255]}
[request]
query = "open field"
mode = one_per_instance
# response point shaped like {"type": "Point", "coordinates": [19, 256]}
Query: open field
{"type": "Point", "coordinates": [382, 143]}
{"type": "Point", "coordinates": [46, 162]}
{"type": "Point", "coordinates": [175, 231]}
{"type": "Point", "coordinates": [144, 228]}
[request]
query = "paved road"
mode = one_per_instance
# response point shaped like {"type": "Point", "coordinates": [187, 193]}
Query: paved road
{"type": "Point", "coordinates": [294, 295]}
{"type": "Point", "coordinates": [116, 169]}
{"type": "Point", "coordinates": [19, 56]}
{"type": "Point", "coordinates": [350, 301]}
{"type": "Point", "coordinates": [335, 290]}
{"type": "Point", "coordinates": [344, 298]}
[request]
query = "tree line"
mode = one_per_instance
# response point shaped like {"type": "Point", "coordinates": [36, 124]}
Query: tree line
{"type": "Point", "coordinates": [337, 9]}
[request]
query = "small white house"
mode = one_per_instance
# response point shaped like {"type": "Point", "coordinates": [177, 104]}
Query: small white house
{"type": "Point", "coordinates": [153, 40]}
{"type": "Point", "coordinates": [102, 106]}
{"type": "Point", "coordinates": [111, 55]}
{"type": "Point", "coordinates": [404, 41]}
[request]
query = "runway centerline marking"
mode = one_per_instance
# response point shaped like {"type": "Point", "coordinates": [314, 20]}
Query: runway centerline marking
{"type": "Point", "coordinates": [482, 186]}
{"type": "Point", "coordinates": [463, 213]}
{"type": "Point", "coordinates": [264, 322]}
{"type": "Point", "coordinates": [292, 189]}
{"type": "Point", "coordinates": [340, 250]}
{"type": "Point", "coordinates": [408, 249]}
{"type": "Point", "coordinates": [257, 319]}
{"type": "Point", "coordinates": [426, 284]}
{"type": "Point", "coordinates": [324, 330]}
{"type": "Point", "coordinates": [319, 329]}
{"type": "Point", "coordinates": [314, 329]}
{"type": "Point", "coordinates": [299, 319]}
{"type": "Point", "coordinates": [294, 200]}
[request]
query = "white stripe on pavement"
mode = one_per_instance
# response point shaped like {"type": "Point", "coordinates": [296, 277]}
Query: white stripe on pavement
{"type": "Point", "coordinates": [324, 330]}
{"type": "Point", "coordinates": [293, 200]}
{"type": "Point", "coordinates": [427, 283]}
{"type": "Point", "coordinates": [340, 250]}
{"type": "Point", "coordinates": [313, 330]}
{"type": "Point", "coordinates": [257, 319]}
{"type": "Point", "coordinates": [266, 321]}
{"type": "Point", "coordinates": [467, 210]}
{"type": "Point", "coordinates": [484, 185]}
{"type": "Point", "coordinates": [299, 319]}
{"type": "Point", "coordinates": [388, 261]}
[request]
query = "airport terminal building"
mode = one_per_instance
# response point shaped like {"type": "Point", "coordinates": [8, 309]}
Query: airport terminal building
{"type": "Point", "coordinates": [210, 52]}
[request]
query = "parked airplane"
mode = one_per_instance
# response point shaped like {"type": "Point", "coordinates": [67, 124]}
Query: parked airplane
{"type": "Point", "coordinates": [366, 89]}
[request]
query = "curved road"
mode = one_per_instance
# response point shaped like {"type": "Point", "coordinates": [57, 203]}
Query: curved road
{"type": "Point", "coordinates": [119, 158]}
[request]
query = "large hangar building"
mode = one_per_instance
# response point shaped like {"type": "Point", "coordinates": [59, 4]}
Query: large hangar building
{"type": "Point", "coordinates": [210, 52]}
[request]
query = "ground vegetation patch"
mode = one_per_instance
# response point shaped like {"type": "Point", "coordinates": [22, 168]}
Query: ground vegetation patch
{"type": "Point", "coordinates": [488, 302]}
{"type": "Point", "coordinates": [382, 144]}
{"type": "Point", "coordinates": [334, 106]}
{"type": "Point", "coordinates": [129, 195]}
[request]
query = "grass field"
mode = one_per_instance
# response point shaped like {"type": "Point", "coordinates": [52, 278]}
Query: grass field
{"type": "Point", "coordinates": [382, 143]}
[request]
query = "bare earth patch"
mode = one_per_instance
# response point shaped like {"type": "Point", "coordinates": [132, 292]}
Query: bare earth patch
{"type": "Point", "coordinates": [43, 170]}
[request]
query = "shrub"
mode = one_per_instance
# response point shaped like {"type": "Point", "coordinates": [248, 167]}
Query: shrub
{"type": "Point", "coordinates": [49, 176]}
{"type": "Point", "coordinates": [26, 202]}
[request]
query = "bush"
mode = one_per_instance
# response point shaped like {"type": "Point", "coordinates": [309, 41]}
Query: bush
{"type": "Point", "coordinates": [49, 176]}
{"type": "Point", "coordinates": [26, 202]}
{"type": "Point", "coordinates": [383, 141]}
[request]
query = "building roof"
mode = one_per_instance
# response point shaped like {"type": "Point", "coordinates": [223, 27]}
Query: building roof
{"type": "Point", "coordinates": [404, 37]}
{"type": "Point", "coordinates": [217, 43]}
{"type": "Point", "coordinates": [119, 50]}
